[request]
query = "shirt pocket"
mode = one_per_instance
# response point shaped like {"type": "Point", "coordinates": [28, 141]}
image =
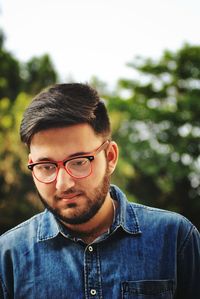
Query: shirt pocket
{"type": "Point", "coordinates": [148, 289]}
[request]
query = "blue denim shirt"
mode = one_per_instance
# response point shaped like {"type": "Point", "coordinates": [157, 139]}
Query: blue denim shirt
{"type": "Point", "coordinates": [147, 254]}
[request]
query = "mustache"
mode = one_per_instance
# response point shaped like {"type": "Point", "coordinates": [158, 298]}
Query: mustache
{"type": "Point", "coordinates": [67, 192]}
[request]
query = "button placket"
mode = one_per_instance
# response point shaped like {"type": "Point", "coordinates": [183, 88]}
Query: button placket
{"type": "Point", "coordinates": [93, 288]}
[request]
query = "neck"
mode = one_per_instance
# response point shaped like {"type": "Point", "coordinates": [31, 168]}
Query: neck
{"type": "Point", "coordinates": [96, 226]}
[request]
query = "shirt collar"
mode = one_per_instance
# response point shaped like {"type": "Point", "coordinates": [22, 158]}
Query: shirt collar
{"type": "Point", "coordinates": [48, 227]}
{"type": "Point", "coordinates": [126, 216]}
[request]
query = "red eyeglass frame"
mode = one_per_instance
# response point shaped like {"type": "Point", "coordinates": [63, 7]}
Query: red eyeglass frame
{"type": "Point", "coordinates": [62, 163]}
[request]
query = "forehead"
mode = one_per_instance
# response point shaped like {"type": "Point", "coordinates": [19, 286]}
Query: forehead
{"type": "Point", "coordinates": [59, 143]}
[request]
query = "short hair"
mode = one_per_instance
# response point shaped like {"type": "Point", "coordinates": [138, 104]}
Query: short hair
{"type": "Point", "coordinates": [63, 105]}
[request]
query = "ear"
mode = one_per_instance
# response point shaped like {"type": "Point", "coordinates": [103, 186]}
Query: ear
{"type": "Point", "coordinates": [30, 161]}
{"type": "Point", "coordinates": [29, 158]}
{"type": "Point", "coordinates": [112, 156]}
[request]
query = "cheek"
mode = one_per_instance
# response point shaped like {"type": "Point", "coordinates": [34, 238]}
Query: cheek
{"type": "Point", "coordinates": [98, 171]}
{"type": "Point", "coordinates": [46, 190]}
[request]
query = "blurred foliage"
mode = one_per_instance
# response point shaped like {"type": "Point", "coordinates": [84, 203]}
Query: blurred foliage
{"type": "Point", "coordinates": [16, 192]}
{"type": "Point", "coordinates": [38, 73]}
{"type": "Point", "coordinates": [10, 81]}
{"type": "Point", "coordinates": [18, 82]}
{"type": "Point", "coordinates": [155, 120]}
{"type": "Point", "coordinates": [30, 77]}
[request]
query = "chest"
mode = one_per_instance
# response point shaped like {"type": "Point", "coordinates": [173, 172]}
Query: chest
{"type": "Point", "coordinates": [125, 267]}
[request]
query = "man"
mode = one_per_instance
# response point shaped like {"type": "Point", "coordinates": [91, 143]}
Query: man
{"type": "Point", "coordinates": [90, 242]}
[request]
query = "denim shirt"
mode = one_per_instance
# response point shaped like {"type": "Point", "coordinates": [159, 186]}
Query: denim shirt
{"type": "Point", "coordinates": [147, 254]}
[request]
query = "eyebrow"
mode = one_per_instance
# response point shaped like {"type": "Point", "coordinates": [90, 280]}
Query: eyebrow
{"type": "Point", "coordinates": [49, 159]}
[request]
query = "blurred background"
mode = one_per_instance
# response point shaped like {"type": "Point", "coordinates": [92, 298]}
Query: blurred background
{"type": "Point", "coordinates": [143, 57]}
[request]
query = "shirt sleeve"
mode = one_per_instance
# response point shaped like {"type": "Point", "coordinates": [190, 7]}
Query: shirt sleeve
{"type": "Point", "coordinates": [188, 268]}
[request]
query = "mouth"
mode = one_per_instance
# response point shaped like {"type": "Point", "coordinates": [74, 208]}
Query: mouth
{"type": "Point", "coordinates": [69, 197]}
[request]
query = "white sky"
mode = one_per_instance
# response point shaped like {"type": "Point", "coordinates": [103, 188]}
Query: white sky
{"type": "Point", "coordinates": [98, 37]}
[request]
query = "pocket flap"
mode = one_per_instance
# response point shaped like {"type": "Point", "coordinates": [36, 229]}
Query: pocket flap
{"type": "Point", "coordinates": [148, 287]}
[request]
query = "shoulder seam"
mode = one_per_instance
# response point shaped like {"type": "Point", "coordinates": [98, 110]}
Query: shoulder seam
{"type": "Point", "coordinates": [26, 222]}
{"type": "Point", "coordinates": [136, 205]}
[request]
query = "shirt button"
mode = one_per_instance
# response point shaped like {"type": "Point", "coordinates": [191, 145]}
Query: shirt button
{"type": "Point", "coordinates": [93, 292]}
{"type": "Point", "coordinates": [90, 248]}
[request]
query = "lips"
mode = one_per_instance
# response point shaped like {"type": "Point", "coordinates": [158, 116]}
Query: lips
{"type": "Point", "coordinates": [69, 196]}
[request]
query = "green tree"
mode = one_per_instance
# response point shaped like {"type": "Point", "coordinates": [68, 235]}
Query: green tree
{"type": "Point", "coordinates": [38, 73]}
{"type": "Point", "coordinates": [31, 76]}
{"type": "Point", "coordinates": [158, 128]}
{"type": "Point", "coordinates": [10, 81]}
{"type": "Point", "coordinates": [17, 196]}
{"type": "Point", "coordinates": [17, 199]}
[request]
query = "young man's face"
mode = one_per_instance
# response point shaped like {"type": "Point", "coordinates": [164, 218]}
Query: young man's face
{"type": "Point", "coordinates": [73, 200]}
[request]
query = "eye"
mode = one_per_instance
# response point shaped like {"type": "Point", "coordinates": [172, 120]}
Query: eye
{"type": "Point", "coordinates": [79, 163]}
{"type": "Point", "coordinates": [47, 167]}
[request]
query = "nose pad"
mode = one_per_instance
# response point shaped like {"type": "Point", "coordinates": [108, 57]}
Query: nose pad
{"type": "Point", "coordinates": [64, 181]}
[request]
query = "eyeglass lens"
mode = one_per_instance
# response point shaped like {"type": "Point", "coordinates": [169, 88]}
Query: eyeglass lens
{"type": "Point", "coordinates": [78, 167]}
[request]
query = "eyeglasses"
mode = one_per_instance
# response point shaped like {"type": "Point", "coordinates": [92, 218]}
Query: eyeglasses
{"type": "Point", "coordinates": [78, 167]}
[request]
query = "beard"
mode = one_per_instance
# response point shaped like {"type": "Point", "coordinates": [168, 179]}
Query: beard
{"type": "Point", "coordinates": [94, 202]}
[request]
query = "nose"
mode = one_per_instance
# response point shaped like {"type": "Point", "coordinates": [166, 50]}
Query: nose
{"type": "Point", "coordinates": [64, 181]}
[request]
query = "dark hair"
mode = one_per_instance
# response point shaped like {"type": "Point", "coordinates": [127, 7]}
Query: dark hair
{"type": "Point", "coordinates": [64, 105]}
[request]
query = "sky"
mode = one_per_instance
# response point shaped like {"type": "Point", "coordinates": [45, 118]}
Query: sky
{"type": "Point", "coordinates": [98, 37]}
